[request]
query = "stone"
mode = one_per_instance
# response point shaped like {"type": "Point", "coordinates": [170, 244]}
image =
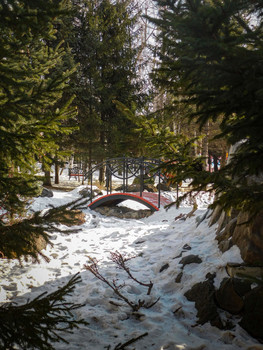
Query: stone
{"type": "Point", "coordinates": [215, 215]}
{"type": "Point", "coordinates": [164, 267]}
{"type": "Point", "coordinates": [86, 192]}
{"type": "Point", "coordinates": [245, 271]}
{"type": "Point", "coordinates": [242, 286]}
{"type": "Point", "coordinates": [203, 294]}
{"type": "Point", "coordinates": [210, 276]}
{"type": "Point", "coordinates": [123, 212]}
{"type": "Point", "coordinates": [200, 219]}
{"type": "Point", "coordinates": [225, 245]}
{"type": "Point", "coordinates": [46, 193]}
{"type": "Point", "coordinates": [186, 247]}
{"type": "Point", "coordinates": [72, 218]}
{"type": "Point", "coordinates": [190, 259]}
{"type": "Point", "coordinates": [222, 222]}
{"type": "Point", "coordinates": [178, 278]}
{"type": "Point", "coordinates": [227, 232]}
{"type": "Point", "coordinates": [249, 238]}
{"type": "Point", "coordinates": [40, 243]}
{"type": "Point", "coordinates": [227, 298]}
{"type": "Point", "coordinates": [252, 320]}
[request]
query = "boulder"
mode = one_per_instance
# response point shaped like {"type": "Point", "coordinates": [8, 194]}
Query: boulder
{"type": "Point", "coordinates": [190, 259]}
{"type": "Point", "coordinates": [178, 278]}
{"type": "Point", "coordinates": [242, 286]}
{"type": "Point", "coordinates": [224, 237]}
{"type": "Point", "coordinates": [203, 295]}
{"type": "Point", "coordinates": [248, 236]}
{"type": "Point", "coordinates": [46, 193]}
{"type": "Point", "coordinates": [86, 192]}
{"type": "Point", "coordinates": [72, 218]}
{"type": "Point", "coordinates": [215, 215]}
{"type": "Point", "coordinates": [227, 298]}
{"type": "Point", "coordinates": [123, 212]}
{"type": "Point", "coordinates": [252, 320]}
{"type": "Point", "coordinates": [244, 271]}
{"type": "Point", "coordinates": [164, 267]}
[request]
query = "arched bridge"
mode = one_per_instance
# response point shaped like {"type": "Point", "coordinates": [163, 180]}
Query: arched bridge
{"type": "Point", "coordinates": [127, 169]}
{"type": "Point", "coordinates": [150, 200]}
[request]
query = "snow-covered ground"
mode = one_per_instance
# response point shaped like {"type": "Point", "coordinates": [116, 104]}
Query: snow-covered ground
{"type": "Point", "coordinates": [155, 243]}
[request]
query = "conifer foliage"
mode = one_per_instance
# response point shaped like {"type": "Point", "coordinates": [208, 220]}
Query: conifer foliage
{"type": "Point", "coordinates": [32, 84]}
{"type": "Point", "coordinates": [211, 55]}
{"type": "Point", "coordinates": [104, 46]}
{"type": "Point", "coordinates": [36, 324]}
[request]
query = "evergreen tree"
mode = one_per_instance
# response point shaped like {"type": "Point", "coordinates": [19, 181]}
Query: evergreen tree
{"type": "Point", "coordinates": [212, 56]}
{"type": "Point", "coordinates": [103, 45]}
{"type": "Point", "coordinates": [32, 83]}
{"type": "Point", "coordinates": [31, 86]}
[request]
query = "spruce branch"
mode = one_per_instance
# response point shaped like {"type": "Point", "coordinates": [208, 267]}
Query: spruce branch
{"type": "Point", "coordinates": [38, 323]}
{"type": "Point", "coordinates": [20, 239]}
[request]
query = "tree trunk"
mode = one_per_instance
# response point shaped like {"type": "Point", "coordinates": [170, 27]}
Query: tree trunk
{"type": "Point", "coordinates": [102, 169]}
{"type": "Point", "coordinates": [47, 178]}
{"type": "Point", "coordinates": [56, 173]}
{"type": "Point", "coordinates": [205, 145]}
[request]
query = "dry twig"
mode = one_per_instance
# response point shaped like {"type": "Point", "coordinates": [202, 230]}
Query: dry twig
{"type": "Point", "coordinates": [118, 258]}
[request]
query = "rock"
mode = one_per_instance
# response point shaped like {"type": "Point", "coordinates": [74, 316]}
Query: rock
{"type": "Point", "coordinates": [86, 192]}
{"type": "Point", "coordinates": [210, 276]}
{"type": "Point", "coordinates": [190, 259]}
{"type": "Point", "coordinates": [227, 298]}
{"type": "Point", "coordinates": [249, 238]}
{"type": "Point", "coordinates": [222, 222]}
{"type": "Point", "coordinates": [164, 267]}
{"type": "Point", "coordinates": [123, 212]}
{"type": "Point", "coordinates": [252, 320]}
{"type": "Point", "coordinates": [215, 215]}
{"type": "Point", "coordinates": [46, 193]}
{"type": "Point", "coordinates": [227, 232]}
{"type": "Point", "coordinates": [203, 295]}
{"type": "Point", "coordinates": [178, 256]}
{"type": "Point", "coordinates": [200, 219]}
{"type": "Point", "coordinates": [72, 218]}
{"type": "Point", "coordinates": [40, 243]}
{"type": "Point", "coordinates": [139, 242]}
{"type": "Point", "coordinates": [179, 277]}
{"type": "Point", "coordinates": [186, 247]}
{"type": "Point", "coordinates": [241, 286]}
{"type": "Point", "coordinates": [245, 271]}
{"type": "Point", "coordinates": [225, 245]}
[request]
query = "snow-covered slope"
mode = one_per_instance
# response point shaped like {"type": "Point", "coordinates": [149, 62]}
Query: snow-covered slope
{"type": "Point", "coordinates": [156, 244]}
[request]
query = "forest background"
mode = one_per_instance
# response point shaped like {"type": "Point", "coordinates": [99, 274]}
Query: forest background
{"type": "Point", "coordinates": [181, 81]}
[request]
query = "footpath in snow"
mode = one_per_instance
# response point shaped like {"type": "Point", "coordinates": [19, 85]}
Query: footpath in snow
{"type": "Point", "coordinates": [156, 245]}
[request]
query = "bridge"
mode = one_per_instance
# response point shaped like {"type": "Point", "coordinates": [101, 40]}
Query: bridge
{"type": "Point", "coordinates": [150, 200]}
{"type": "Point", "coordinates": [127, 169]}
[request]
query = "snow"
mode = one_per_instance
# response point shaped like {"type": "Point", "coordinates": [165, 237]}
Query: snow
{"type": "Point", "coordinates": [153, 243]}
